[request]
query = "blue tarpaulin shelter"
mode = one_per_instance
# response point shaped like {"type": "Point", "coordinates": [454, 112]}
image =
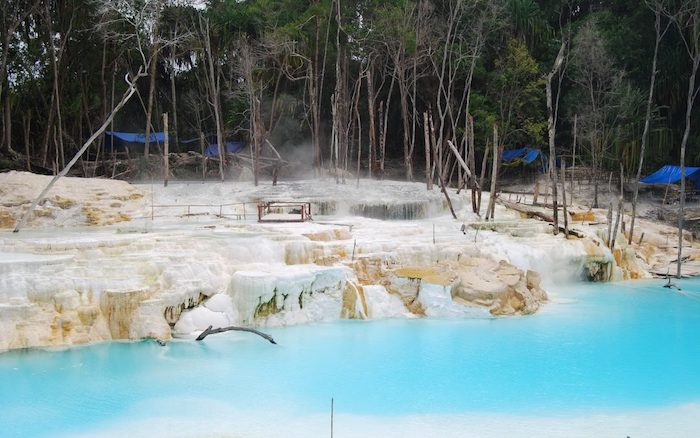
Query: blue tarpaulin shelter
{"type": "Point", "coordinates": [670, 174]}
{"type": "Point", "coordinates": [137, 137]}
{"type": "Point", "coordinates": [231, 148]}
{"type": "Point", "coordinates": [524, 155]}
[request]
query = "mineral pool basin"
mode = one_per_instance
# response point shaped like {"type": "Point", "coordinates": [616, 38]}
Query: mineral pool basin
{"type": "Point", "coordinates": [599, 360]}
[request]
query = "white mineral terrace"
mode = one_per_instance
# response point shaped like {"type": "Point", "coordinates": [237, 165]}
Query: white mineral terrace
{"type": "Point", "coordinates": [102, 259]}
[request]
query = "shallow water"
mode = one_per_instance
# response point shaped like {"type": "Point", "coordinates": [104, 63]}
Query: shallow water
{"type": "Point", "coordinates": [628, 353]}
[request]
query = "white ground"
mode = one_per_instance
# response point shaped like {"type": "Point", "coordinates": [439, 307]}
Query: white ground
{"type": "Point", "coordinates": [153, 246]}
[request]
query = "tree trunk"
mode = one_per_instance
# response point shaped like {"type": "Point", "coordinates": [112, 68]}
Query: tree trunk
{"type": "Point", "coordinates": [173, 92]}
{"type": "Point", "coordinates": [471, 160]}
{"type": "Point", "coordinates": [166, 152]}
{"type": "Point", "coordinates": [573, 161]}
{"type": "Point", "coordinates": [552, 132]}
{"type": "Point", "coordinates": [27, 122]}
{"type": "Point", "coordinates": [484, 161]}
{"type": "Point", "coordinates": [494, 176]}
{"type": "Point", "coordinates": [403, 94]}
{"type": "Point", "coordinates": [426, 129]}
{"type": "Point", "coordinates": [563, 196]}
{"type": "Point", "coordinates": [125, 98]}
{"type": "Point", "coordinates": [382, 140]}
{"type": "Point", "coordinates": [151, 90]}
{"type": "Point", "coordinates": [372, 129]}
{"type": "Point", "coordinates": [688, 112]}
{"type": "Point", "coordinates": [647, 121]}
{"type": "Point", "coordinates": [8, 122]}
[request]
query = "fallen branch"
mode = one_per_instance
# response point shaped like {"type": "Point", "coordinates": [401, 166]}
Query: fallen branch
{"type": "Point", "coordinates": [534, 212]}
{"type": "Point", "coordinates": [210, 331]}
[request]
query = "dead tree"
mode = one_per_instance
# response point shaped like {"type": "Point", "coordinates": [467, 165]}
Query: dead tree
{"type": "Point", "coordinates": [552, 132]}
{"type": "Point", "coordinates": [210, 331]}
{"type": "Point", "coordinates": [645, 134]}
{"type": "Point", "coordinates": [494, 175]}
{"type": "Point", "coordinates": [687, 20]}
{"type": "Point", "coordinates": [214, 88]}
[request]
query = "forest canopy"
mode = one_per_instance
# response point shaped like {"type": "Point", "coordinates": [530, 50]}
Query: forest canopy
{"type": "Point", "coordinates": [339, 82]}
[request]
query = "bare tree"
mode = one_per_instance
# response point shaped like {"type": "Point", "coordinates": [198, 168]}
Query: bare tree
{"type": "Point", "coordinates": [552, 131]}
{"type": "Point", "coordinates": [686, 15]}
{"type": "Point", "coordinates": [458, 39]}
{"type": "Point", "coordinates": [213, 85]}
{"type": "Point", "coordinates": [598, 80]}
{"type": "Point", "coordinates": [12, 14]}
{"type": "Point", "coordinates": [656, 7]}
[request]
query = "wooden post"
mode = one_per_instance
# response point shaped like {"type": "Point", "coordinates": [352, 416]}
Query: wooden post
{"type": "Point", "coordinates": [202, 146]}
{"type": "Point", "coordinates": [482, 176]}
{"type": "Point", "coordinates": [166, 144]}
{"type": "Point", "coordinates": [433, 142]}
{"type": "Point", "coordinates": [426, 135]}
{"type": "Point", "coordinates": [563, 196]}
{"type": "Point", "coordinates": [620, 206]}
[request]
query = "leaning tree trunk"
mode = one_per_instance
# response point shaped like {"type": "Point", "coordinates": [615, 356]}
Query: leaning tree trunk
{"type": "Point", "coordinates": [125, 98]}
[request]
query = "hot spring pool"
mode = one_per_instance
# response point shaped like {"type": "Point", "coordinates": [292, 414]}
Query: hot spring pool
{"type": "Point", "coordinates": [599, 360]}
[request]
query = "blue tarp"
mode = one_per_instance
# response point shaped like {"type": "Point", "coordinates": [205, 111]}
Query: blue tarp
{"type": "Point", "coordinates": [671, 174]}
{"type": "Point", "coordinates": [231, 148]}
{"type": "Point", "coordinates": [526, 155]}
{"type": "Point", "coordinates": [137, 137]}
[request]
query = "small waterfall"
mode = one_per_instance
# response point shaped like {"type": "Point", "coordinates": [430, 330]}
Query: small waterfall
{"type": "Point", "coordinates": [360, 299]}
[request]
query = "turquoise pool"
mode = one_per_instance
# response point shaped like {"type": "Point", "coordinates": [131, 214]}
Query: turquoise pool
{"type": "Point", "coordinates": [605, 356]}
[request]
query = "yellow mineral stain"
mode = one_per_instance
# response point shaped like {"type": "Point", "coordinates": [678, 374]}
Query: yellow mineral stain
{"type": "Point", "coordinates": [93, 215]}
{"type": "Point", "coordinates": [62, 203]}
{"type": "Point", "coordinates": [131, 197]}
{"type": "Point", "coordinates": [429, 274]}
{"type": "Point", "coordinates": [7, 220]}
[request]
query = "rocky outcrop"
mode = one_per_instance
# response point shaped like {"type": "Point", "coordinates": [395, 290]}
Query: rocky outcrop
{"type": "Point", "coordinates": [500, 287]}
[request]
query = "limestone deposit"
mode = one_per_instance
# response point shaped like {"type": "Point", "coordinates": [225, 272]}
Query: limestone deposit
{"type": "Point", "coordinates": [131, 276]}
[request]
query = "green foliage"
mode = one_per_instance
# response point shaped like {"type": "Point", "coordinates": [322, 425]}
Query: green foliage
{"type": "Point", "coordinates": [517, 86]}
{"type": "Point", "coordinates": [520, 42]}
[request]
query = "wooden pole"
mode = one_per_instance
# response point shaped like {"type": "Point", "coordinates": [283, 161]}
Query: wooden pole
{"type": "Point", "coordinates": [331, 417]}
{"type": "Point", "coordinates": [166, 145]}
{"type": "Point", "coordinates": [457, 155]}
{"type": "Point", "coordinates": [484, 160]}
{"type": "Point", "coordinates": [563, 196]}
{"type": "Point", "coordinates": [203, 148]}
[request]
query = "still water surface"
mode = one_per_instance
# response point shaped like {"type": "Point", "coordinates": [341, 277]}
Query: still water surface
{"type": "Point", "coordinates": [594, 349]}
